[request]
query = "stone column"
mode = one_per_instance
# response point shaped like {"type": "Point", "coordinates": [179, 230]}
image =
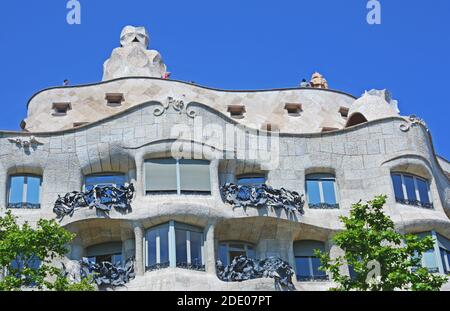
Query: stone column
{"type": "Point", "coordinates": [139, 241]}
{"type": "Point", "coordinates": [209, 248]}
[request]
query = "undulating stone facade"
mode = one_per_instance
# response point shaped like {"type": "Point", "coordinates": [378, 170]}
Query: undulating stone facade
{"type": "Point", "coordinates": [329, 147]}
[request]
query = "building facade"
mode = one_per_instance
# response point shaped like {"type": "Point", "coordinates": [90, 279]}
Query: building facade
{"type": "Point", "coordinates": [140, 166]}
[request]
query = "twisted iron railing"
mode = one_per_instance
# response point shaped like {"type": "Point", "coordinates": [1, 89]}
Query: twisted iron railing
{"type": "Point", "coordinates": [108, 274]}
{"type": "Point", "coordinates": [243, 268]}
{"type": "Point", "coordinates": [103, 198]}
{"type": "Point", "coordinates": [262, 196]}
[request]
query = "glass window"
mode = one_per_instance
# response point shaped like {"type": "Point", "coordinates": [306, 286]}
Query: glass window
{"type": "Point", "coordinates": [321, 191]}
{"type": "Point", "coordinates": [16, 266]}
{"type": "Point", "coordinates": [251, 181]}
{"type": "Point", "coordinates": [307, 264]}
{"type": "Point", "coordinates": [398, 186]}
{"type": "Point", "coordinates": [24, 191]}
{"type": "Point", "coordinates": [157, 245]}
{"type": "Point", "coordinates": [105, 252]}
{"type": "Point", "coordinates": [411, 190]}
{"type": "Point", "coordinates": [177, 176]}
{"type": "Point", "coordinates": [196, 248]}
{"type": "Point", "coordinates": [103, 180]}
{"type": "Point", "coordinates": [422, 187]}
{"type": "Point", "coordinates": [303, 269]}
{"type": "Point", "coordinates": [182, 256]}
{"type": "Point", "coordinates": [189, 247]}
{"type": "Point", "coordinates": [187, 244]}
{"type": "Point", "coordinates": [445, 258]}
{"type": "Point", "coordinates": [230, 250]}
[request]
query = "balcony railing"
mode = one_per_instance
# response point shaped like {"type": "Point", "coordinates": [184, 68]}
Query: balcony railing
{"type": "Point", "coordinates": [103, 198]}
{"type": "Point", "coordinates": [24, 205]}
{"type": "Point", "coordinates": [243, 268]}
{"type": "Point", "coordinates": [262, 196]}
{"type": "Point", "coordinates": [108, 274]}
{"type": "Point", "coordinates": [416, 203]}
{"type": "Point", "coordinates": [157, 266]}
{"type": "Point", "coordinates": [323, 206]}
{"type": "Point", "coordinates": [315, 278]}
{"type": "Point", "coordinates": [191, 266]}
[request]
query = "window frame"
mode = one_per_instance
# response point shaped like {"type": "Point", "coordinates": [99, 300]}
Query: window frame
{"type": "Point", "coordinates": [251, 176]}
{"type": "Point", "coordinates": [172, 248]}
{"type": "Point", "coordinates": [24, 204]}
{"type": "Point", "coordinates": [312, 276]}
{"type": "Point", "coordinates": [246, 248]}
{"type": "Point", "coordinates": [105, 174]}
{"type": "Point", "coordinates": [320, 177]}
{"type": "Point", "coordinates": [179, 191]}
{"type": "Point", "coordinates": [418, 202]}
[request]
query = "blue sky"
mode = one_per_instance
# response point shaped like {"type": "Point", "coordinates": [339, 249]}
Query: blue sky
{"type": "Point", "coordinates": [236, 44]}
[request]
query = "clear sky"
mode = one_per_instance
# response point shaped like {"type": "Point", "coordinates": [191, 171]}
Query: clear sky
{"type": "Point", "coordinates": [239, 44]}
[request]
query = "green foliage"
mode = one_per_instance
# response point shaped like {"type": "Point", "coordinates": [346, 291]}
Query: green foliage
{"type": "Point", "coordinates": [63, 284]}
{"type": "Point", "coordinates": [370, 240]}
{"type": "Point", "coordinates": [45, 243]}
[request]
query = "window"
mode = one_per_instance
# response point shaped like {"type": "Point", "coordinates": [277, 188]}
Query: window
{"type": "Point", "coordinates": [251, 180]}
{"type": "Point", "coordinates": [230, 250]}
{"type": "Point", "coordinates": [103, 180]}
{"type": "Point", "coordinates": [189, 247]}
{"type": "Point", "coordinates": [157, 248]}
{"type": "Point", "coordinates": [60, 109]}
{"type": "Point", "coordinates": [177, 176]}
{"type": "Point", "coordinates": [429, 257]}
{"type": "Point", "coordinates": [16, 266]}
{"type": "Point", "coordinates": [24, 192]}
{"type": "Point", "coordinates": [321, 191]}
{"type": "Point", "coordinates": [293, 109]}
{"type": "Point", "coordinates": [236, 111]}
{"type": "Point", "coordinates": [343, 111]}
{"type": "Point", "coordinates": [114, 99]}
{"type": "Point", "coordinates": [106, 252]}
{"type": "Point", "coordinates": [115, 180]}
{"type": "Point", "coordinates": [175, 245]}
{"type": "Point", "coordinates": [444, 249]}
{"type": "Point", "coordinates": [411, 190]}
{"type": "Point", "coordinates": [306, 263]}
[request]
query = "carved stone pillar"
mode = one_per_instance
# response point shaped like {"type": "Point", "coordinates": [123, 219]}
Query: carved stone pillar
{"type": "Point", "coordinates": [139, 242]}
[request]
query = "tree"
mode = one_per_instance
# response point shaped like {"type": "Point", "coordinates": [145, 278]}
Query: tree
{"type": "Point", "coordinates": [26, 254]}
{"type": "Point", "coordinates": [382, 258]}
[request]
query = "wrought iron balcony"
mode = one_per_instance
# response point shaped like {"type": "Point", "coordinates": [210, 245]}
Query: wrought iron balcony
{"type": "Point", "coordinates": [315, 278]}
{"type": "Point", "coordinates": [24, 205]}
{"type": "Point", "coordinates": [416, 203]}
{"type": "Point", "coordinates": [323, 206]}
{"type": "Point", "coordinates": [157, 266]}
{"type": "Point", "coordinates": [191, 266]}
{"type": "Point", "coordinates": [262, 196]}
{"type": "Point", "coordinates": [103, 198]}
{"type": "Point", "coordinates": [108, 274]}
{"type": "Point", "coordinates": [243, 268]}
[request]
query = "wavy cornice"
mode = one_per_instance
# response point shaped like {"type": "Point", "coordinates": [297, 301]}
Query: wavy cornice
{"type": "Point", "coordinates": [188, 84]}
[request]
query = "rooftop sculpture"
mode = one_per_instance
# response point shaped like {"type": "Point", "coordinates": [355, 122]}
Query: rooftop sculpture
{"type": "Point", "coordinates": [318, 81]}
{"type": "Point", "coordinates": [132, 58]}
